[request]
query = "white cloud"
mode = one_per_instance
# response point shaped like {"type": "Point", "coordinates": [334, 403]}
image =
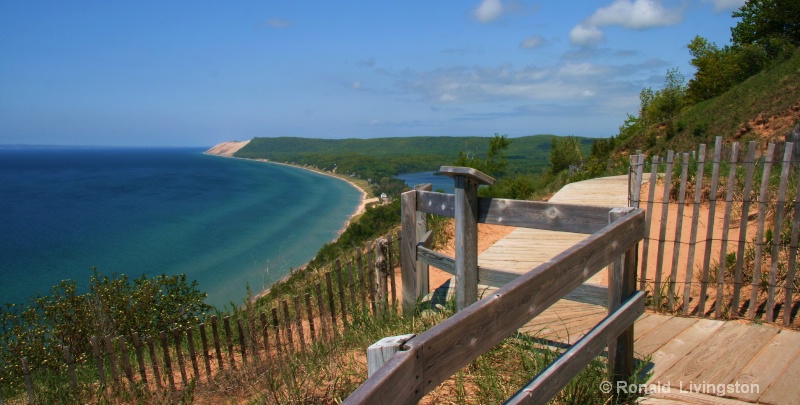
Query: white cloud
{"type": "Point", "coordinates": [586, 36]}
{"type": "Point", "coordinates": [636, 14]}
{"type": "Point", "coordinates": [488, 10]}
{"type": "Point", "coordinates": [570, 82]}
{"type": "Point", "coordinates": [581, 70]}
{"type": "Point", "coordinates": [448, 98]}
{"type": "Point", "coordinates": [356, 85]}
{"type": "Point", "coordinates": [721, 5]}
{"type": "Point", "coordinates": [533, 42]}
{"type": "Point", "coordinates": [278, 23]}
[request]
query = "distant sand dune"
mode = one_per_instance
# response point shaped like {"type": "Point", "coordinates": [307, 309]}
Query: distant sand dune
{"type": "Point", "coordinates": [227, 148]}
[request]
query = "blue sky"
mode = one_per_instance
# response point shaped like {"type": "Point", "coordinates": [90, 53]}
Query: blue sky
{"type": "Point", "coordinates": [196, 73]}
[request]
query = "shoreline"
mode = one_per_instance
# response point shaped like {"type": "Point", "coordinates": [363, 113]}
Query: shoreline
{"type": "Point", "coordinates": [230, 149]}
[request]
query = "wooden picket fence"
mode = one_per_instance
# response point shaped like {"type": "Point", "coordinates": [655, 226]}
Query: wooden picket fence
{"type": "Point", "coordinates": [329, 302]}
{"type": "Point", "coordinates": [735, 254]}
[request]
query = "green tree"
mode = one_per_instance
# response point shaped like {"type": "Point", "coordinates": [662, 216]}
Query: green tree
{"type": "Point", "coordinates": [668, 101]}
{"type": "Point", "coordinates": [493, 163]}
{"type": "Point", "coordinates": [564, 152]}
{"type": "Point", "coordinates": [774, 25]}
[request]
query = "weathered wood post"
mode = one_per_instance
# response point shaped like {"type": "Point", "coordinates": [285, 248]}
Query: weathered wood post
{"type": "Point", "coordinates": [381, 351]}
{"type": "Point", "coordinates": [466, 215]}
{"type": "Point", "coordinates": [26, 372]}
{"type": "Point", "coordinates": [381, 273]}
{"type": "Point", "coordinates": [621, 286]}
{"type": "Point", "coordinates": [423, 279]}
{"type": "Point", "coordinates": [73, 381]}
{"type": "Point", "coordinates": [408, 251]}
{"type": "Point", "coordinates": [98, 360]}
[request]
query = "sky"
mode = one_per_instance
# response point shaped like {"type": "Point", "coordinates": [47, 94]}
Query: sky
{"type": "Point", "coordinates": [196, 73]}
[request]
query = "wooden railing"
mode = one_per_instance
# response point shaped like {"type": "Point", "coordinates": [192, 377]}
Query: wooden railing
{"type": "Point", "coordinates": [428, 359]}
{"type": "Point", "coordinates": [714, 268]}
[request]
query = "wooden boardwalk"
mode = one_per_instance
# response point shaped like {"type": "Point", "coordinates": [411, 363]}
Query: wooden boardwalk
{"type": "Point", "coordinates": [692, 360]}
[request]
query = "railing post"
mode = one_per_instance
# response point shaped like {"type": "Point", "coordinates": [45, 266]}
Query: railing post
{"type": "Point", "coordinates": [381, 351]}
{"type": "Point", "coordinates": [466, 215]}
{"type": "Point", "coordinates": [408, 251]}
{"type": "Point", "coordinates": [621, 286]}
{"type": "Point", "coordinates": [423, 279]}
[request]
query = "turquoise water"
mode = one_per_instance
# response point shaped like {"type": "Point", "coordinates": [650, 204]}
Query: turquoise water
{"type": "Point", "coordinates": [226, 223]}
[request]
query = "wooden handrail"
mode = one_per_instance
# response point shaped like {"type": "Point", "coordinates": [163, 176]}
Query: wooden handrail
{"type": "Point", "coordinates": [436, 354]}
{"type": "Point", "coordinates": [523, 214]}
{"type": "Point", "coordinates": [586, 293]}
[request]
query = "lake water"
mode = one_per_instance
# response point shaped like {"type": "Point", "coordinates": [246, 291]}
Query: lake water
{"type": "Point", "coordinates": [226, 223]}
{"type": "Point", "coordinates": [438, 182]}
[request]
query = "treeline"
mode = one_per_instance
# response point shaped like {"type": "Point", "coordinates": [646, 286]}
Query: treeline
{"type": "Point", "coordinates": [380, 159]}
{"type": "Point", "coordinates": [755, 74]}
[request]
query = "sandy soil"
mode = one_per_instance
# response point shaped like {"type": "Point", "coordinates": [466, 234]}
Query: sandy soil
{"type": "Point", "coordinates": [227, 148]}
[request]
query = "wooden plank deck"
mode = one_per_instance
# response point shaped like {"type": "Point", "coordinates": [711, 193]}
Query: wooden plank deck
{"type": "Point", "coordinates": [694, 354]}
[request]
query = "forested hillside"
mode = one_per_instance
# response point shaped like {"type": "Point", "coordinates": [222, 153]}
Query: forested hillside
{"type": "Point", "coordinates": [380, 157]}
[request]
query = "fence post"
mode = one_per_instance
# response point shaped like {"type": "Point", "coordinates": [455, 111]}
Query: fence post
{"type": "Point", "coordinates": [98, 360]}
{"type": "Point", "coordinates": [467, 181]}
{"type": "Point", "coordinates": [390, 266]}
{"type": "Point", "coordinates": [176, 335]}
{"type": "Point", "coordinates": [162, 336]}
{"type": "Point", "coordinates": [762, 212]}
{"type": "Point", "coordinates": [70, 369]}
{"type": "Point", "coordinates": [137, 345]}
{"type": "Point", "coordinates": [423, 279]}
{"type": "Point", "coordinates": [26, 372]}
{"type": "Point", "coordinates": [152, 349]}
{"type": "Point", "coordinates": [408, 251]}
{"type": "Point", "coordinates": [192, 353]}
{"type": "Point", "coordinates": [215, 336]}
{"type": "Point", "coordinates": [621, 286]}
{"type": "Point", "coordinates": [381, 273]}
{"type": "Point", "coordinates": [112, 360]}
{"type": "Point", "coordinates": [298, 321]}
{"type": "Point", "coordinates": [226, 323]}
{"type": "Point", "coordinates": [310, 313]}
{"type": "Point", "coordinates": [126, 360]}
{"type": "Point", "coordinates": [206, 359]}
{"type": "Point", "coordinates": [242, 340]}
{"type": "Point", "coordinates": [381, 351]}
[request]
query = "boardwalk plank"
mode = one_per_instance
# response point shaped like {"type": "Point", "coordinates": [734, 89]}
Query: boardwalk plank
{"type": "Point", "coordinates": [786, 389]}
{"type": "Point", "coordinates": [660, 335]}
{"type": "Point", "coordinates": [721, 359]}
{"type": "Point", "coordinates": [736, 356]}
{"type": "Point", "coordinates": [646, 323]}
{"type": "Point", "coordinates": [768, 365]}
{"type": "Point", "coordinates": [675, 396]}
{"type": "Point", "coordinates": [682, 345]}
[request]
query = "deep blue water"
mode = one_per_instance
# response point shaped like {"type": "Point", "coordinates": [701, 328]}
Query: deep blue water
{"type": "Point", "coordinates": [226, 223]}
{"type": "Point", "coordinates": [438, 182]}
